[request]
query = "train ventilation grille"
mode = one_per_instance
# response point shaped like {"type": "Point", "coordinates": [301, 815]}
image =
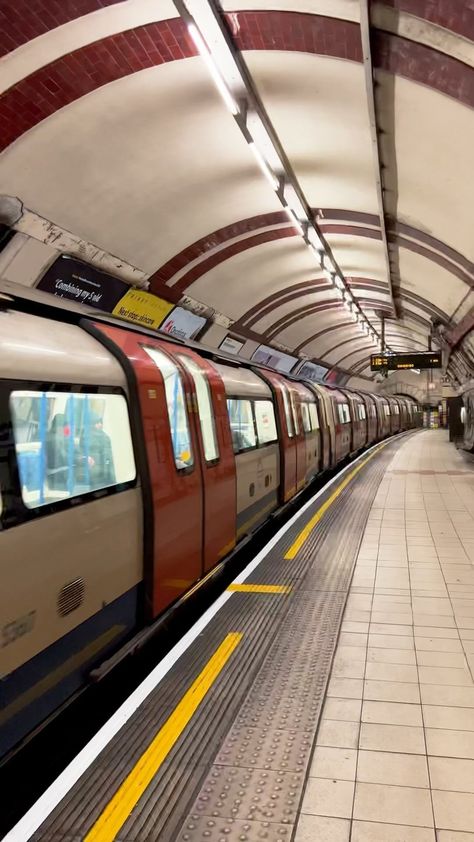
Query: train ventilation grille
{"type": "Point", "coordinates": [71, 597]}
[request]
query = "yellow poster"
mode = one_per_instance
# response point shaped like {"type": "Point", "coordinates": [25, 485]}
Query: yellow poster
{"type": "Point", "coordinates": [143, 308]}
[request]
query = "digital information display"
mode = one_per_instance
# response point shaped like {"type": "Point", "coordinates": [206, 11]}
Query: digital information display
{"type": "Point", "coordinates": [398, 362]}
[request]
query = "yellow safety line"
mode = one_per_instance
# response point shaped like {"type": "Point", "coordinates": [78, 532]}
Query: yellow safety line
{"type": "Point", "coordinates": [127, 796]}
{"type": "Point", "coordinates": [306, 531]}
{"type": "Point", "coordinates": [260, 588]}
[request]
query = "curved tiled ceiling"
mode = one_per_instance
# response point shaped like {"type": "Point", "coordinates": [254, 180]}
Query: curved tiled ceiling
{"type": "Point", "coordinates": [112, 128]}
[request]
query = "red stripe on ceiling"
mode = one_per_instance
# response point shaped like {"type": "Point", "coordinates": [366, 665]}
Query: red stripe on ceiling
{"type": "Point", "coordinates": [424, 65]}
{"type": "Point", "coordinates": [296, 32]}
{"type": "Point", "coordinates": [210, 241]}
{"type": "Point", "coordinates": [455, 15]}
{"type": "Point", "coordinates": [224, 254]}
{"type": "Point", "coordinates": [22, 20]}
{"type": "Point", "coordinates": [82, 71]}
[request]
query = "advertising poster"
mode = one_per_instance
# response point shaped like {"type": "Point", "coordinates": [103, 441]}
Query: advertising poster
{"type": "Point", "coordinates": [182, 323]}
{"type": "Point", "coordinates": [313, 372]}
{"type": "Point", "coordinates": [273, 358]}
{"type": "Point", "coordinates": [142, 308]}
{"type": "Point", "coordinates": [80, 282]}
{"type": "Point", "coordinates": [230, 345]}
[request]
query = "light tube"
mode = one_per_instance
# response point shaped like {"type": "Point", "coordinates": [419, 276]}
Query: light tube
{"type": "Point", "coordinates": [209, 61]}
{"type": "Point", "coordinates": [269, 175]}
{"type": "Point", "coordinates": [294, 219]}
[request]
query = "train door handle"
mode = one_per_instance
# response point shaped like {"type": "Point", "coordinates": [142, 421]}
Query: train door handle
{"type": "Point", "coordinates": [252, 489]}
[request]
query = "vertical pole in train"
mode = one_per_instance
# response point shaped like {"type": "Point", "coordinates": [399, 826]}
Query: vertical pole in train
{"type": "Point", "coordinates": [175, 418]}
{"type": "Point", "coordinates": [86, 424]}
{"type": "Point", "coordinates": [70, 446]}
{"type": "Point", "coordinates": [42, 438]}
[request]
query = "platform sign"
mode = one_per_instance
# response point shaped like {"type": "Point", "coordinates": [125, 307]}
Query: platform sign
{"type": "Point", "coordinates": [400, 362]}
{"type": "Point", "coordinates": [142, 308]}
{"type": "Point", "coordinates": [77, 281]}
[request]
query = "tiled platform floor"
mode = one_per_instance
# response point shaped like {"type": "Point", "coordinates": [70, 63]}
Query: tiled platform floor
{"type": "Point", "coordinates": [394, 760]}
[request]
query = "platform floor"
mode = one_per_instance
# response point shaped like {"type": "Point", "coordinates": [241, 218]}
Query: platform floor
{"type": "Point", "coordinates": [394, 760]}
{"type": "Point", "coordinates": [272, 722]}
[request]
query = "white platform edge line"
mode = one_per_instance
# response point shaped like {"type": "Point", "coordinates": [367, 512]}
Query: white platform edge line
{"type": "Point", "coordinates": [54, 794]}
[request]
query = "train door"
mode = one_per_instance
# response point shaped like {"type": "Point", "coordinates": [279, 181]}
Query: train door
{"type": "Point", "coordinates": [286, 429]}
{"type": "Point", "coordinates": [211, 421]}
{"type": "Point", "coordinates": [300, 438]}
{"type": "Point", "coordinates": [172, 491]}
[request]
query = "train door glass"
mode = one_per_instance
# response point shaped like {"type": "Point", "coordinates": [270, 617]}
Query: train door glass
{"type": "Point", "coordinates": [305, 417]}
{"type": "Point", "coordinates": [313, 415]}
{"type": "Point", "coordinates": [294, 414]}
{"type": "Point", "coordinates": [288, 417]}
{"type": "Point", "coordinates": [175, 401]}
{"type": "Point", "coordinates": [205, 409]}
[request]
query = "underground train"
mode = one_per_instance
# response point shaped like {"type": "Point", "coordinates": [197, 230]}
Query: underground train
{"type": "Point", "coordinates": [132, 465]}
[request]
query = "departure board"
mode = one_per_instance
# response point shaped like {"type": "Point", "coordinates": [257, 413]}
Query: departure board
{"type": "Point", "coordinates": [398, 362]}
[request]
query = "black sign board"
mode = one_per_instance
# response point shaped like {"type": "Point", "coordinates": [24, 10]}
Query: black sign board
{"type": "Point", "coordinates": [80, 282]}
{"type": "Point", "coordinates": [398, 362]}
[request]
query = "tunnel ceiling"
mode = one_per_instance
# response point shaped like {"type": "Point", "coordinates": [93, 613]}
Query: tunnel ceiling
{"type": "Point", "coordinates": [112, 128]}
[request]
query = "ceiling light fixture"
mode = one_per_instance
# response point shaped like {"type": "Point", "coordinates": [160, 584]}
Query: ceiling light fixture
{"type": "Point", "coordinates": [294, 219]}
{"type": "Point", "coordinates": [269, 175]}
{"type": "Point", "coordinates": [216, 76]}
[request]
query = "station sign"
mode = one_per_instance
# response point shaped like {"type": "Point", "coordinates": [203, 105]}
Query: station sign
{"type": "Point", "coordinates": [77, 281]}
{"type": "Point", "coordinates": [400, 362]}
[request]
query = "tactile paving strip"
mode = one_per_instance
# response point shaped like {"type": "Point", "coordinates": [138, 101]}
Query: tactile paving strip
{"type": "Point", "coordinates": [274, 684]}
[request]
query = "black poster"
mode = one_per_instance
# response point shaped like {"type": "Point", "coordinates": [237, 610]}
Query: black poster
{"type": "Point", "coordinates": [80, 282]}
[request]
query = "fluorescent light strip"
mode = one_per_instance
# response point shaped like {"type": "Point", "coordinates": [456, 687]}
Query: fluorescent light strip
{"type": "Point", "coordinates": [269, 175]}
{"type": "Point", "coordinates": [294, 219]}
{"type": "Point", "coordinates": [217, 78]}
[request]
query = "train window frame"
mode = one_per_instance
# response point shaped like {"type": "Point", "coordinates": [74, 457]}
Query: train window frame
{"type": "Point", "coordinates": [150, 350]}
{"type": "Point", "coordinates": [15, 512]}
{"type": "Point", "coordinates": [192, 367]}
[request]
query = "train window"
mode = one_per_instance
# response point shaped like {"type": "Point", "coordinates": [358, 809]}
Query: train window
{"type": "Point", "coordinates": [288, 417]}
{"type": "Point", "coordinates": [305, 417]}
{"type": "Point", "coordinates": [294, 413]}
{"type": "Point", "coordinates": [345, 413]}
{"type": "Point", "coordinates": [265, 421]}
{"type": "Point", "coordinates": [396, 409]}
{"type": "Point", "coordinates": [386, 409]}
{"type": "Point", "coordinates": [463, 421]}
{"type": "Point", "coordinates": [313, 415]}
{"type": "Point", "coordinates": [340, 413]}
{"type": "Point", "coordinates": [206, 411]}
{"type": "Point", "coordinates": [175, 400]}
{"type": "Point", "coordinates": [241, 424]}
{"type": "Point", "coordinates": [70, 443]}
{"type": "Point", "coordinates": [361, 411]}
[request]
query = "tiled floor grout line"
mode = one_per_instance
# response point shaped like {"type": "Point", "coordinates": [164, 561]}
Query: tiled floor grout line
{"type": "Point", "coordinates": [419, 688]}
